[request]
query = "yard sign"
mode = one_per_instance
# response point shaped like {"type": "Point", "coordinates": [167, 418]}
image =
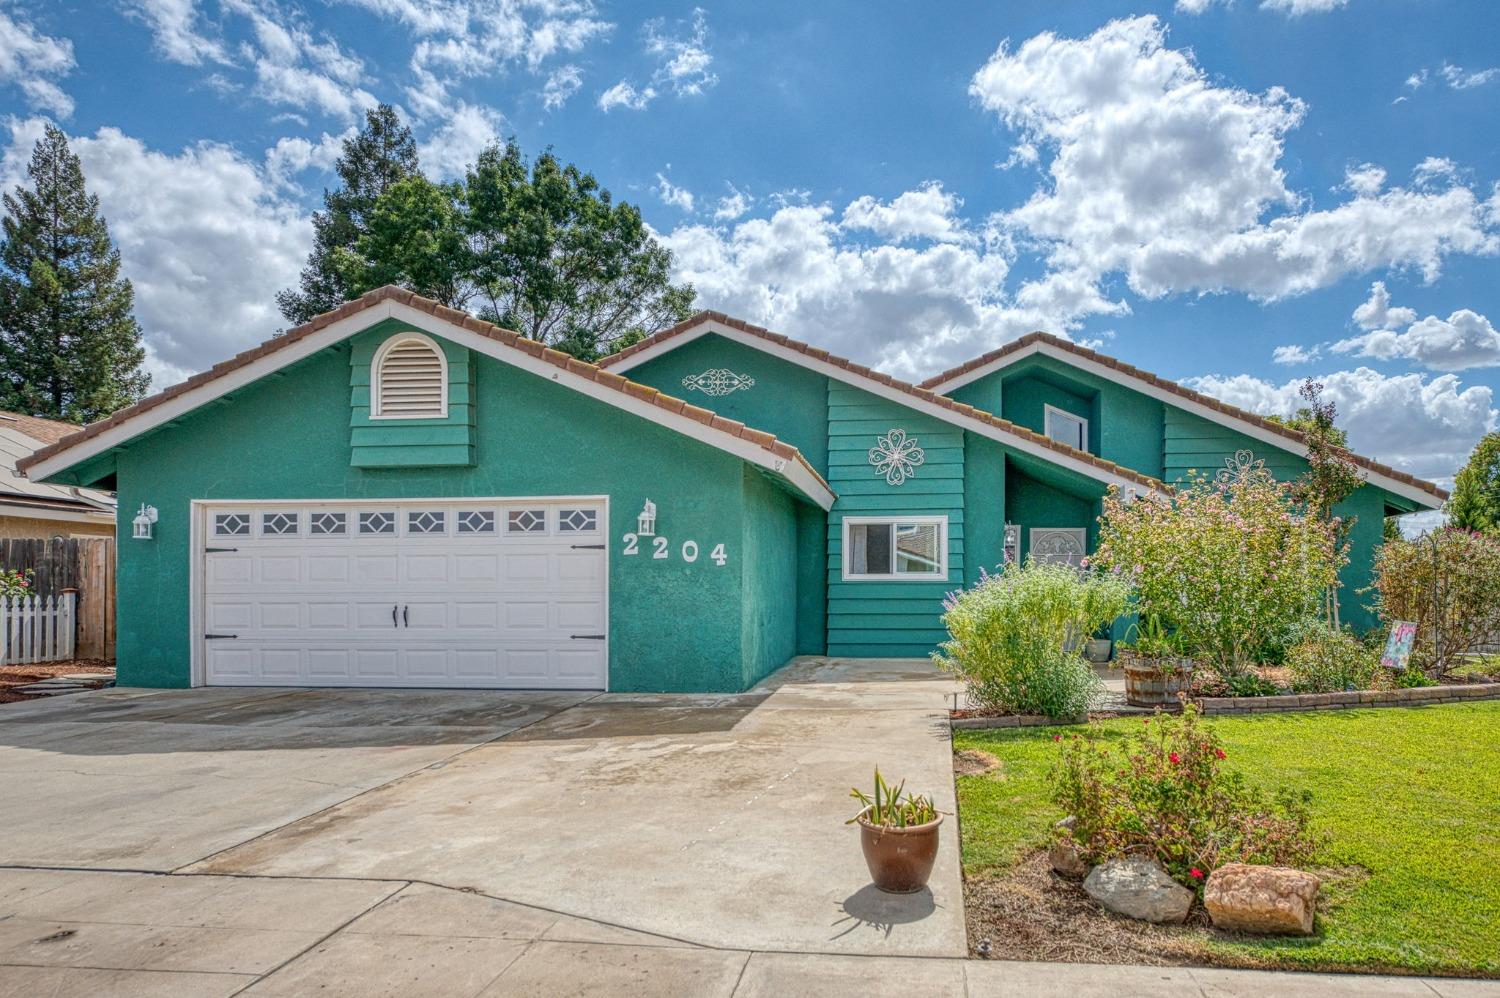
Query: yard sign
{"type": "Point", "coordinates": [1398, 646]}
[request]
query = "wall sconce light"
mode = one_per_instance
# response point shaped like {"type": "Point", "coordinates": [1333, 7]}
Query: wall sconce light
{"type": "Point", "coordinates": [646, 522]}
{"type": "Point", "coordinates": [1012, 544]}
{"type": "Point", "coordinates": [143, 521]}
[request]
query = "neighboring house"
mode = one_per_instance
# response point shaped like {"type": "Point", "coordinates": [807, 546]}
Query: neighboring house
{"type": "Point", "coordinates": [397, 494]}
{"type": "Point", "coordinates": [37, 509]}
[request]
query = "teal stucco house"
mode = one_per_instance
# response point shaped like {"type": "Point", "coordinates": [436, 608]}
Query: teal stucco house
{"type": "Point", "coordinates": [397, 494]}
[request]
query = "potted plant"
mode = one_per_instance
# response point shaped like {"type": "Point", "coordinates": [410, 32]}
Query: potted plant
{"type": "Point", "coordinates": [1157, 667]}
{"type": "Point", "coordinates": [898, 832]}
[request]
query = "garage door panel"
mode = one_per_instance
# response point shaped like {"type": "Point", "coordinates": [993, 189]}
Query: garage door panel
{"type": "Point", "coordinates": [280, 616]}
{"type": "Point", "coordinates": [377, 569]}
{"type": "Point", "coordinates": [484, 605]}
{"type": "Point", "coordinates": [477, 616]}
{"type": "Point", "coordinates": [325, 568]}
{"type": "Point", "coordinates": [472, 568]}
{"type": "Point", "coordinates": [573, 615]}
{"type": "Point", "coordinates": [281, 663]}
{"type": "Point", "coordinates": [333, 615]}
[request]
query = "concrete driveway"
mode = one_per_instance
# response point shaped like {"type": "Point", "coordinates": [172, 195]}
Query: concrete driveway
{"type": "Point", "coordinates": [700, 820]}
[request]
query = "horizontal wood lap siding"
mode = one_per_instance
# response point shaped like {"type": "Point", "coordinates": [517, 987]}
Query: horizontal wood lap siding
{"type": "Point", "coordinates": [1193, 445]}
{"type": "Point", "coordinates": [889, 619]}
{"type": "Point", "coordinates": [410, 443]}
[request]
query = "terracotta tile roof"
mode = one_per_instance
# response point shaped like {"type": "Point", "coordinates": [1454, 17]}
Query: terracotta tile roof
{"type": "Point", "coordinates": [391, 293]}
{"type": "Point", "coordinates": [958, 408]}
{"type": "Point", "coordinates": [1291, 435]}
{"type": "Point", "coordinates": [48, 431]}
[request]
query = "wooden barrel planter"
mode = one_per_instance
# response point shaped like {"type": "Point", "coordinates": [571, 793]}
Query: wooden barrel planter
{"type": "Point", "coordinates": [1155, 682]}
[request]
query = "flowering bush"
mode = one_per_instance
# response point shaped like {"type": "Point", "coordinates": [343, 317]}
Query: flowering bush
{"type": "Point", "coordinates": [1325, 660]}
{"type": "Point", "coordinates": [1228, 565]}
{"type": "Point", "coordinates": [1014, 638]}
{"type": "Point", "coordinates": [1165, 794]}
{"type": "Point", "coordinates": [1464, 566]}
{"type": "Point", "coordinates": [15, 583]}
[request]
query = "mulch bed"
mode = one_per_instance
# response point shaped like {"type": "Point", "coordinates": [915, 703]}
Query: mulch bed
{"type": "Point", "coordinates": [1032, 914]}
{"type": "Point", "coordinates": [12, 676]}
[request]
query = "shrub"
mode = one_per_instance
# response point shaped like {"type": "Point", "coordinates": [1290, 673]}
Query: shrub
{"type": "Point", "coordinates": [1015, 638]}
{"type": "Point", "coordinates": [1164, 793]}
{"type": "Point", "coordinates": [15, 583]}
{"type": "Point", "coordinates": [1464, 566]}
{"type": "Point", "coordinates": [1325, 660]}
{"type": "Point", "coordinates": [1228, 565]}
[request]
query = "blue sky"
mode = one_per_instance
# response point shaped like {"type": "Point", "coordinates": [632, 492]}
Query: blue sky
{"type": "Point", "coordinates": [1236, 194]}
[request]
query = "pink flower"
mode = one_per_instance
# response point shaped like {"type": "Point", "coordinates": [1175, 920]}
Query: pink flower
{"type": "Point", "coordinates": [1057, 738]}
{"type": "Point", "coordinates": [1175, 758]}
{"type": "Point", "coordinates": [1220, 753]}
{"type": "Point", "coordinates": [1195, 873]}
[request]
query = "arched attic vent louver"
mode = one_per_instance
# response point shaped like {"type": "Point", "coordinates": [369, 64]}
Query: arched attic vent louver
{"type": "Point", "coordinates": [409, 379]}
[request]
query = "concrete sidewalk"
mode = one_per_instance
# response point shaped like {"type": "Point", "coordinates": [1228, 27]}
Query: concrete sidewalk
{"type": "Point", "coordinates": [88, 933]}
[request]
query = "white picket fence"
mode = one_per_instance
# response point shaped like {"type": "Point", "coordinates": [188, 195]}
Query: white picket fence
{"type": "Point", "coordinates": [38, 629]}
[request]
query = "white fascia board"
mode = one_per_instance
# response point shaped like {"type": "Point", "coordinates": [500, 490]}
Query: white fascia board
{"type": "Point", "coordinates": [979, 426]}
{"type": "Point", "coordinates": [1209, 413]}
{"type": "Point", "coordinates": [22, 511]}
{"type": "Point", "coordinates": [311, 344]}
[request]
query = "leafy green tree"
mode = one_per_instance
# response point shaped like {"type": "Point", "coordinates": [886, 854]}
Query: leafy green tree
{"type": "Point", "coordinates": [1475, 504]}
{"type": "Point", "coordinates": [1330, 478]}
{"type": "Point", "coordinates": [540, 248]}
{"type": "Point", "coordinates": [555, 258]}
{"type": "Point", "coordinates": [382, 154]}
{"type": "Point", "coordinates": [414, 237]}
{"type": "Point", "coordinates": [70, 347]}
{"type": "Point", "coordinates": [1305, 421]}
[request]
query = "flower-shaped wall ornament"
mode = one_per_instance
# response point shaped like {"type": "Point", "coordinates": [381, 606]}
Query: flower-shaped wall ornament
{"type": "Point", "coordinates": [896, 456]}
{"type": "Point", "coordinates": [1242, 466]}
{"type": "Point", "coordinates": [718, 381]}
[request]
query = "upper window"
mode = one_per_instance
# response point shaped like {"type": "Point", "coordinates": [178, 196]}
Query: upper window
{"type": "Point", "coordinates": [409, 379]}
{"type": "Point", "coordinates": [1066, 428]}
{"type": "Point", "coordinates": [911, 549]}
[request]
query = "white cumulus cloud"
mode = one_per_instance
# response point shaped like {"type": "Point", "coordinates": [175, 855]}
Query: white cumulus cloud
{"type": "Point", "coordinates": [1294, 354]}
{"type": "Point", "coordinates": [1464, 340]}
{"type": "Point", "coordinates": [34, 62]}
{"type": "Point", "coordinates": [1158, 172]}
{"type": "Point", "coordinates": [624, 94]}
{"type": "Point", "coordinates": [1423, 426]}
{"type": "Point", "coordinates": [206, 235]}
{"type": "Point", "coordinates": [683, 65]}
{"type": "Point", "coordinates": [926, 213]}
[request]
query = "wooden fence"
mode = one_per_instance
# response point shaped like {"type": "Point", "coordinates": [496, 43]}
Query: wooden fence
{"type": "Point", "coordinates": [38, 629]}
{"type": "Point", "coordinates": [84, 565]}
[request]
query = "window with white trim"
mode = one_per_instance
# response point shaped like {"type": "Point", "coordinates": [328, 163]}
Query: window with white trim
{"type": "Point", "coordinates": [409, 379]}
{"type": "Point", "coordinates": [1066, 428]}
{"type": "Point", "coordinates": [908, 549]}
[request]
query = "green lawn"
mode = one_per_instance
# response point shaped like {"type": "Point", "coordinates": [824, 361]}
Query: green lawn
{"type": "Point", "coordinates": [1409, 800]}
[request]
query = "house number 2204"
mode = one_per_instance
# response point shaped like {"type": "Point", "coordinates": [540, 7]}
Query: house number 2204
{"type": "Point", "coordinates": [661, 550]}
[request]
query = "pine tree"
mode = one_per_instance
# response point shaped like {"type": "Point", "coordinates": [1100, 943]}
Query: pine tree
{"type": "Point", "coordinates": [372, 161]}
{"type": "Point", "coordinates": [1476, 491]}
{"type": "Point", "coordinates": [70, 347]}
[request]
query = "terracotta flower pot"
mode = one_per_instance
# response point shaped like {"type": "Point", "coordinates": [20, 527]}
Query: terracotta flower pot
{"type": "Point", "coordinates": [900, 859]}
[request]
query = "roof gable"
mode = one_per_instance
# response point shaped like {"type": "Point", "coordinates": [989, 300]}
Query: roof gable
{"type": "Point", "coordinates": [754, 446]}
{"type": "Point", "coordinates": [1170, 392]}
{"type": "Point", "coordinates": [878, 382]}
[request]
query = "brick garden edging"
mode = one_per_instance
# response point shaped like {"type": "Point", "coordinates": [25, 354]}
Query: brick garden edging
{"type": "Point", "coordinates": [1416, 697]}
{"type": "Point", "coordinates": [1420, 696]}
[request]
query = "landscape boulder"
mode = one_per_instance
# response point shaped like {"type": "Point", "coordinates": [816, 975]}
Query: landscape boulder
{"type": "Point", "coordinates": [1064, 855]}
{"type": "Point", "coordinates": [1267, 900]}
{"type": "Point", "coordinates": [1139, 888]}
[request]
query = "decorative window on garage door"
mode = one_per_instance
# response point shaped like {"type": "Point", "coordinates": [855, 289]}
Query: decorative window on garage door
{"type": "Point", "coordinates": [577, 521]}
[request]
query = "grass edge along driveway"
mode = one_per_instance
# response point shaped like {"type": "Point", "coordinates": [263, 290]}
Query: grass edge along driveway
{"type": "Point", "coordinates": [1408, 799]}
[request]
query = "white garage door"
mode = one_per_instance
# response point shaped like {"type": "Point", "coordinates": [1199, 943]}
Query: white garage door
{"type": "Point", "coordinates": [483, 594]}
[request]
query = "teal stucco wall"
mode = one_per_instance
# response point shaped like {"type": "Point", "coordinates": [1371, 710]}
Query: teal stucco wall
{"type": "Point", "coordinates": [768, 631]}
{"type": "Point", "coordinates": [787, 400]}
{"type": "Point", "coordinates": [674, 626]}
